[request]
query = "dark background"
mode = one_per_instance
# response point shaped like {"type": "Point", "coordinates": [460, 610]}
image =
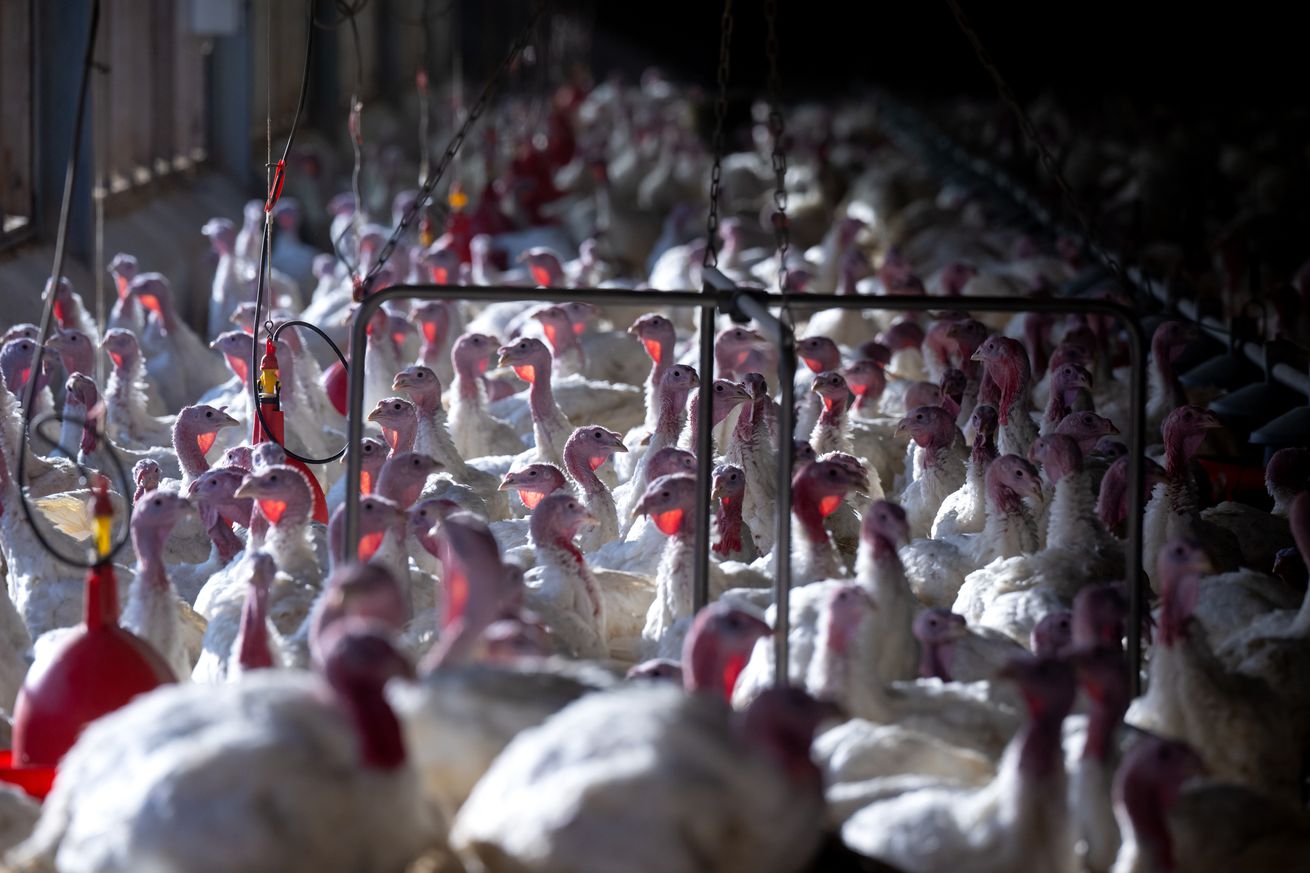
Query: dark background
{"type": "Point", "coordinates": [1198, 54]}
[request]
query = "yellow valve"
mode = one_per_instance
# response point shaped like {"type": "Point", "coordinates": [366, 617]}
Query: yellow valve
{"type": "Point", "coordinates": [457, 198]}
{"type": "Point", "coordinates": [268, 382]}
{"type": "Point", "coordinates": [103, 517]}
{"type": "Point", "coordinates": [103, 523]}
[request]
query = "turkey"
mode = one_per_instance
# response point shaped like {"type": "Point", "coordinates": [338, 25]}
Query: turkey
{"type": "Point", "coordinates": [1236, 723]}
{"type": "Point", "coordinates": [141, 771]}
{"type": "Point", "coordinates": [606, 761]}
{"type": "Point", "coordinates": [965, 509]}
{"type": "Point", "coordinates": [475, 432]}
{"type": "Point", "coordinates": [937, 568]}
{"type": "Point", "coordinates": [1005, 361]}
{"type": "Point", "coordinates": [127, 398]}
{"type": "Point", "coordinates": [433, 438]}
{"type": "Point", "coordinates": [153, 611]}
{"type": "Point", "coordinates": [184, 368]}
{"type": "Point", "coordinates": [1017, 821]}
{"type": "Point", "coordinates": [1174, 819]}
{"type": "Point", "coordinates": [586, 450]}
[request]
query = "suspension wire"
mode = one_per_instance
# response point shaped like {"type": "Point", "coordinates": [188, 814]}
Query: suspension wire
{"type": "Point", "coordinates": [276, 182]}
{"type": "Point", "coordinates": [47, 314]}
{"type": "Point", "coordinates": [99, 193]}
{"type": "Point", "coordinates": [355, 125]}
{"type": "Point", "coordinates": [1044, 155]}
{"type": "Point", "coordinates": [711, 258]}
{"type": "Point", "coordinates": [429, 185]}
{"type": "Point", "coordinates": [778, 132]}
{"type": "Point", "coordinates": [421, 80]}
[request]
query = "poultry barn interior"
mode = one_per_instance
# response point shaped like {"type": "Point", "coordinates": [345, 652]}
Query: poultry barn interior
{"type": "Point", "coordinates": [557, 436]}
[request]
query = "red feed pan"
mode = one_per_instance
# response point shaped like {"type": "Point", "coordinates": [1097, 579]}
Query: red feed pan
{"type": "Point", "coordinates": [36, 781]}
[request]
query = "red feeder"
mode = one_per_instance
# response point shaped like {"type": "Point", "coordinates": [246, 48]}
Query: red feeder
{"type": "Point", "coordinates": [271, 409]}
{"type": "Point", "coordinates": [100, 670]}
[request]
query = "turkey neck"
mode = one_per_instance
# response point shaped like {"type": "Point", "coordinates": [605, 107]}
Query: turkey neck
{"type": "Point", "coordinates": [560, 550]}
{"type": "Point", "coordinates": [189, 456]}
{"type": "Point", "coordinates": [668, 423]}
{"type": "Point", "coordinates": [468, 384]}
{"type": "Point", "coordinates": [255, 650]}
{"type": "Point", "coordinates": [673, 580]}
{"type": "Point", "coordinates": [878, 569]}
{"type": "Point", "coordinates": [814, 549]}
{"type": "Point", "coordinates": [727, 520]}
{"type": "Point", "coordinates": [658, 367]}
{"type": "Point", "coordinates": [1149, 818]}
{"type": "Point", "coordinates": [149, 545]}
{"type": "Point", "coordinates": [830, 431]}
{"type": "Point", "coordinates": [125, 390]}
{"type": "Point", "coordinates": [226, 543]}
{"type": "Point", "coordinates": [286, 540]}
{"type": "Point", "coordinates": [935, 661]}
{"type": "Point", "coordinates": [438, 441]}
{"type": "Point", "coordinates": [1040, 750]}
{"type": "Point", "coordinates": [578, 465]}
{"type": "Point", "coordinates": [381, 744]}
{"type": "Point", "coordinates": [1008, 528]}
{"type": "Point", "coordinates": [1071, 523]}
{"type": "Point", "coordinates": [1107, 713]}
{"type": "Point", "coordinates": [1164, 388]}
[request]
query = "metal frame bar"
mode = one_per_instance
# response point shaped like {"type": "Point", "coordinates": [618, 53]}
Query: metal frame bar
{"type": "Point", "coordinates": [722, 297]}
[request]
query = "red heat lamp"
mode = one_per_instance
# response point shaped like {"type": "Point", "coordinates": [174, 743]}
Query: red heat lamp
{"type": "Point", "coordinates": [98, 670]}
{"type": "Point", "coordinates": [270, 407]}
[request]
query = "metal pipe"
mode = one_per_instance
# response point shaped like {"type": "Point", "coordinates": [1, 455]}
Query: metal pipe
{"type": "Point", "coordinates": [782, 336]}
{"type": "Point", "coordinates": [700, 592]}
{"type": "Point", "coordinates": [729, 299]}
{"type": "Point", "coordinates": [1137, 352]}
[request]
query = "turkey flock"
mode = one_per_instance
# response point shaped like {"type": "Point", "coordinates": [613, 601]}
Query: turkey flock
{"type": "Point", "coordinates": [513, 675]}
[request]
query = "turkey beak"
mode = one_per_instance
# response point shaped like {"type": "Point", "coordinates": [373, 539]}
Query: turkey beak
{"type": "Point", "coordinates": [976, 356]}
{"type": "Point", "coordinates": [400, 383]}
{"type": "Point", "coordinates": [225, 420]}
{"type": "Point", "coordinates": [248, 488]}
{"type": "Point", "coordinates": [373, 415]}
{"type": "Point", "coordinates": [507, 483]}
{"type": "Point", "coordinates": [717, 491]}
{"type": "Point", "coordinates": [903, 426]}
{"type": "Point", "coordinates": [1208, 419]}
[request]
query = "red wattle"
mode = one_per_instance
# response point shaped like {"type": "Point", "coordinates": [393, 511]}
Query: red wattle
{"type": "Point", "coordinates": [527, 373]}
{"type": "Point", "coordinates": [369, 545]}
{"type": "Point", "coordinates": [531, 498]}
{"type": "Point", "coordinates": [828, 505]}
{"type": "Point", "coordinates": [205, 440]}
{"type": "Point", "coordinates": [457, 596]}
{"type": "Point", "coordinates": [669, 522]}
{"type": "Point", "coordinates": [430, 327]}
{"type": "Point", "coordinates": [654, 349]}
{"type": "Point", "coordinates": [365, 483]}
{"type": "Point", "coordinates": [596, 460]}
{"type": "Point", "coordinates": [551, 335]}
{"type": "Point", "coordinates": [731, 670]}
{"type": "Point", "coordinates": [273, 510]}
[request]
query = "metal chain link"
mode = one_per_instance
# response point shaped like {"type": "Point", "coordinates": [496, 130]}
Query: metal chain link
{"type": "Point", "coordinates": [425, 193]}
{"type": "Point", "coordinates": [711, 258]}
{"type": "Point", "coordinates": [777, 130]}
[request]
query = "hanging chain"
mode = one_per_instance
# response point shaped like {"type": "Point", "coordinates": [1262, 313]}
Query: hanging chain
{"type": "Point", "coordinates": [711, 258]}
{"type": "Point", "coordinates": [425, 193]}
{"type": "Point", "coordinates": [777, 130]}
